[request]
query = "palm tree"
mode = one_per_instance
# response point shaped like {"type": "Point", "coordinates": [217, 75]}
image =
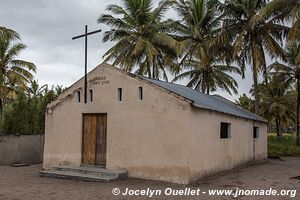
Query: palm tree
{"type": "Point", "coordinates": [198, 30]}
{"type": "Point", "coordinates": [289, 9]}
{"type": "Point", "coordinates": [141, 37]}
{"type": "Point", "coordinates": [277, 103]}
{"type": "Point", "coordinates": [13, 72]}
{"type": "Point", "coordinates": [59, 89]}
{"type": "Point", "coordinates": [12, 33]}
{"type": "Point", "coordinates": [197, 26]}
{"type": "Point", "coordinates": [208, 77]}
{"type": "Point", "coordinates": [245, 102]}
{"type": "Point", "coordinates": [290, 73]}
{"type": "Point", "coordinates": [253, 38]}
{"type": "Point", "coordinates": [35, 90]}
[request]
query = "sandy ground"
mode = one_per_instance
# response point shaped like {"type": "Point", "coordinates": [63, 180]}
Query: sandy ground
{"type": "Point", "coordinates": [24, 183]}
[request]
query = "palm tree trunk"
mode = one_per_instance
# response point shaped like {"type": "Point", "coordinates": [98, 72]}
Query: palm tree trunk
{"type": "Point", "coordinates": [198, 86]}
{"type": "Point", "coordinates": [1, 108]}
{"type": "Point", "coordinates": [256, 97]}
{"type": "Point", "coordinates": [297, 112]}
{"type": "Point", "coordinates": [153, 72]}
{"type": "Point", "coordinates": [207, 89]}
{"type": "Point", "coordinates": [277, 127]}
{"type": "Point", "coordinates": [265, 68]}
{"type": "Point", "coordinates": [203, 85]}
{"type": "Point", "coordinates": [149, 69]}
{"type": "Point", "coordinates": [153, 69]}
{"type": "Point", "coordinates": [266, 75]}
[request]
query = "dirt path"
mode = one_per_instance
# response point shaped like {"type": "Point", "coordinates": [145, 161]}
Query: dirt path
{"type": "Point", "coordinates": [24, 183]}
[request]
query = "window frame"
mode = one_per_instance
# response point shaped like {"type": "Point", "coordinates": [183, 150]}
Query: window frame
{"type": "Point", "coordinates": [91, 95]}
{"type": "Point", "coordinates": [141, 93]}
{"type": "Point", "coordinates": [78, 96]}
{"type": "Point", "coordinates": [228, 132]}
{"type": "Point", "coordinates": [120, 94]}
{"type": "Point", "coordinates": [255, 132]}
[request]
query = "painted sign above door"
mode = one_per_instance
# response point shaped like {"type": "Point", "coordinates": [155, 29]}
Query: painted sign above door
{"type": "Point", "coordinates": [100, 80]}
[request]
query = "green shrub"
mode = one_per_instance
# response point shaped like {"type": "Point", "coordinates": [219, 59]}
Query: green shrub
{"type": "Point", "coordinates": [26, 114]}
{"type": "Point", "coordinates": [283, 146]}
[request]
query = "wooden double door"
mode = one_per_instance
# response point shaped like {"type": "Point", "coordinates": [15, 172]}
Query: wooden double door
{"type": "Point", "coordinates": [94, 137]}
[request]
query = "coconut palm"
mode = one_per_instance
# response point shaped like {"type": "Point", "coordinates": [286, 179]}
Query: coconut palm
{"type": "Point", "coordinates": [290, 10]}
{"type": "Point", "coordinates": [277, 103]}
{"type": "Point", "coordinates": [197, 26]}
{"type": "Point", "coordinates": [58, 89]}
{"type": "Point", "coordinates": [140, 36]}
{"type": "Point", "coordinates": [253, 38]}
{"type": "Point", "coordinates": [208, 77]}
{"type": "Point", "coordinates": [290, 72]}
{"type": "Point", "coordinates": [204, 55]}
{"type": "Point", "coordinates": [13, 72]}
{"type": "Point", "coordinates": [35, 90]}
{"type": "Point", "coordinates": [245, 102]}
{"type": "Point", "coordinates": [12, 33]}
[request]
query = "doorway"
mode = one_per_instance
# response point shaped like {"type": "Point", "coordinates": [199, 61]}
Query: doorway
{"type": "Point", "coordinates": [94, 139]}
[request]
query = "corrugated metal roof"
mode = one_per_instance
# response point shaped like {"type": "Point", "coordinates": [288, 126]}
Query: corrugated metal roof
{"type": "Point", "coordinates": [210, 102]}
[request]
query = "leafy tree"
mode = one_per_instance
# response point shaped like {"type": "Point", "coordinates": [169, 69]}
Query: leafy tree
{"type": "Point", "coordinates": [277, 103]}
{"type": "Point", "coordinates": [253, 36]}
{"type": "Point", "coordinates": [34, 90]}
{"type": "Point", "coordinates": [141, 37]}
{"type": "Point", "coordinates": [59, 89]}
{"type": "Point", "coordinates": [290, 73]}
{"type": "Point", "coordinates": [245, 102]}
{"type": "Point", "coordinates": [17, 116]}
{"type": "Point", "coordinates": [14, 73]}
{"type": "Point", "coordinates": [25, 114]}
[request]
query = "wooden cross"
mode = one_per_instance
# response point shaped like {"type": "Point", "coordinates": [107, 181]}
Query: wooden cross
{"type": "Point", "coordinates": [85, 35]}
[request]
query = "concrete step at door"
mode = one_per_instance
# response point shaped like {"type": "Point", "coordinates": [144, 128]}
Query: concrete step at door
{"type": "Point", "coordinates": [93, 170]}
{"type": "Point", "coordinates": [76, 176]}
{"type": "Point", "coordinates": [87, 173]}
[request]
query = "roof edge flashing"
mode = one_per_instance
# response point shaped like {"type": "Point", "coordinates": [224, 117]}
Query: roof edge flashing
{"type": "Point", "coordinates": [213, 110]}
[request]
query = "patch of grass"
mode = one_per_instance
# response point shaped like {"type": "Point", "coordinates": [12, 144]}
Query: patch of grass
{"type": "Point", "coordinates": [283, 146]}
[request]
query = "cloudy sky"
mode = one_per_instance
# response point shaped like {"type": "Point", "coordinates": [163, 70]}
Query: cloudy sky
{"type": "Point", "coordinates": [47, 26]}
